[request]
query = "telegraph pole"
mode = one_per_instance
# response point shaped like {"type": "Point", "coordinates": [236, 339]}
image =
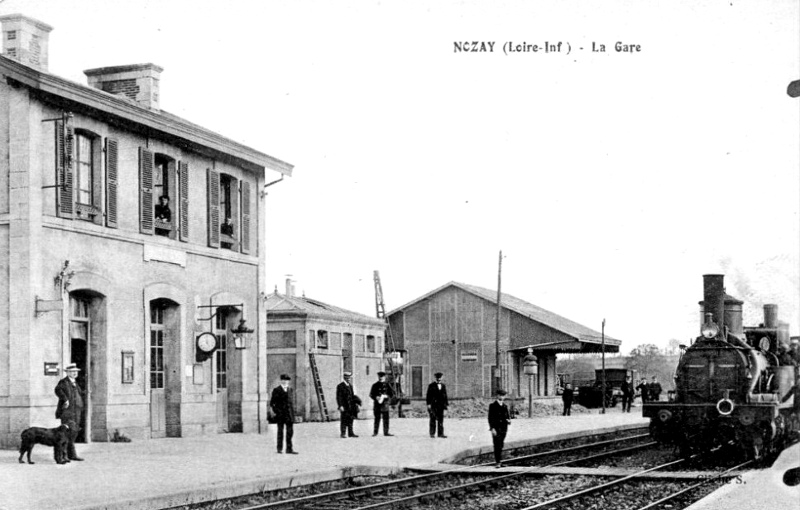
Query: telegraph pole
{"type": "Point", "coordinates": [498, 375]}
{"type": "Point", "coordinates": [603, 350]}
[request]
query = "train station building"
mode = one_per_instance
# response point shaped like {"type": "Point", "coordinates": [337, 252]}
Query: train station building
{"type": "Point", "coordinates": [452, 330]}
{"type": "Point", "coordinates": [314, 343]}
{"type": "Point", "coordinates": [131, 244]}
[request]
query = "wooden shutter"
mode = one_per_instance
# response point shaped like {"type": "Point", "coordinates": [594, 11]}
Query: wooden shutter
{"type": "Point", "coordinates": [245, 229]}
{"type": "Point", "coordinates": [213, 208]}
{"type": "Point", "coordinates": [183, 198]}
{"type": "Point", "coordinates": [146, 213]}
{"type": "Point", "coordinates": [112, 146]}
{"type": "Point", "coordinates": [65, 138]}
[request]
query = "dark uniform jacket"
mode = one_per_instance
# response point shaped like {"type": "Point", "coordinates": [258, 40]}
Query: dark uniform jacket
{"type": "Point", "coordinates": [627, 389]}
{"type": "Point", "coordinates": [499, 417]}
{"type": "Point", "coordinates": [642, 387]}
{"type": "Point", "coordinates": [654, 389]}
{"type": "Point", "coordinates": [379, 389]}
{"type": "Point", "coordinates": [345, 398]}
{"type": "Point", "coordinates": [568, 395]}
{"type": "Point", "coordinates": [66, 391]}
{"type": "Point", "coordinates": [435, 397]}
{"type": "Point", "coordinates": [281, 404]}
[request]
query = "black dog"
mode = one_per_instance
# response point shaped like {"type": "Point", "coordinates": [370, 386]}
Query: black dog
{"type": "Point", "coordinates": [57, 438]}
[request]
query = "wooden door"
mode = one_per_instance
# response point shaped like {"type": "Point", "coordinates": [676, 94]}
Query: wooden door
{"type": "Point", "coordinates": [158, 403]}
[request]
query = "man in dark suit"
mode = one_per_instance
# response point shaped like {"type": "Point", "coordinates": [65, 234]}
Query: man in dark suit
{"type": "Point", "coordinates": [346, 400]}
{"type": "Point", "coordinates": [436, 399]}
{"type": "Point", "coordinates": [70, 407]}
{"type": "Point", "coordinates": [567, 396]}
{"type": "Point", "coordinates": [654, 389]}
{"type": "Point", "coordinates": [499, 419]}
{"type": "Point", "coordinates": [627, 394]}
{"type": "Point", "coordinates": [282, 404]}
{"type": "Point", "coordinates": [381, 394]}
{"type": "Point", "coordinates": [643, 390]}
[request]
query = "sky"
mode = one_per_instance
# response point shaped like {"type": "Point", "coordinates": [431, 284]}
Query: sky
{"type": "Point", "coordinates": [611, 181]}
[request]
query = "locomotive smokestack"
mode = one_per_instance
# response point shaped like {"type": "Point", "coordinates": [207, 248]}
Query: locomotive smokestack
{"type": "Point", "coordinates": [714, 297]}
{"type": "Point", "coordinates": [770, 316]}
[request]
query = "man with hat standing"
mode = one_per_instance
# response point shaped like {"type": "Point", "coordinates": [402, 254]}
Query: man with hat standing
{"type": "Point", "coordinates": [348, 408]}
{"type": "Point", "coordinates": [436, 399]}
{"type": "Point", "coordinates": [282, 404]}
{"type": "Point", "coordinates": [70, 407]}
{"type": "Point", "coordinates": [381, 393]}
{"type": "Point", "coordinates": [499, 419]}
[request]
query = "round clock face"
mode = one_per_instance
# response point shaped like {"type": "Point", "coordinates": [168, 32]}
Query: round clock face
{"type": "Point", "coordinates": [206, 342]}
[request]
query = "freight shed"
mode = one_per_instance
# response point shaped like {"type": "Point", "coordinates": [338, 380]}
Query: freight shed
{"type": "Point", "coordinates": [305, 335]}
{"type": "Point", "coordinates": [452, 330]}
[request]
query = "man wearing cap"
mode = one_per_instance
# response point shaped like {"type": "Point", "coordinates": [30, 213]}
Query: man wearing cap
{"type": "Point", "coordinates": [70, 407]}
{"type": "Point", "coordinates": [436, 399]}
{"type": "Point", "coordinates": [654, 390]}
{"type": "Point", "coordinates": [499, 419]}
{"type": "Point", "coordinates": [346, 400]}
{"type": "Point", "coordinates": [381, 393]}
{"type": "Point", "coordinates": [627, 394]}
{"type": "Point", "coordinates": [282, 405]}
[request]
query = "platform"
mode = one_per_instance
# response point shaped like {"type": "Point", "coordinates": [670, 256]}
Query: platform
{"type": "Point", "coordinates": [163, 473]}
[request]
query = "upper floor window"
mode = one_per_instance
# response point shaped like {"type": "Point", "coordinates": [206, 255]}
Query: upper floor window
{"type": "Point", "coordinates": [80, 182]}
{"type": "Point", "coordinates": [84, 168]}
{"type": "Point", "coordinates": [164, 185]}
{"type": "Point", "coordinates": [228, 212]}
{"type": "Point", "coordinates": [163, 195]}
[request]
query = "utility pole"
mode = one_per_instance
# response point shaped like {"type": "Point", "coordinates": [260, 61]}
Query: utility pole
{"type": "Point", "coordinates": [498, 379]}
{"type": "Point", "coordinates": [603, 350]}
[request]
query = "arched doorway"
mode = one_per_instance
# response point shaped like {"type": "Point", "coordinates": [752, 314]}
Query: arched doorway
{"type": "Point", "coordinates": [87, 348]}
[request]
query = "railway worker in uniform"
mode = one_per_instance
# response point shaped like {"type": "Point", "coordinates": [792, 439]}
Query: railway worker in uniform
{"type": "Point", "coordinates": [567, 396]}
{"type": "Point", "coordinates": [499, 420]}
{"type": "Point", "coordinates": [643, 391]}
{"type": "Point", "coordinates": [70, 407]}
{"type": "Point", "coordinates": [381, 394]}
{"type": "Point", "coordinates": [436, 398]}
{"type": "Point", "coordinates": [282, 405]}
{"type": "Point", "coordinates": [627, 394]}
{"type": "Point", "coordinates": [654, 389]}
{"type": "Point", "coordinates": [346, 400]}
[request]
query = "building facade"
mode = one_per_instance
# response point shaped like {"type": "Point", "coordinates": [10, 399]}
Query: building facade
{"type": "Point", "coordinates": [305, 336]}
{"type": "Point", "coordinates": [126, 233]}
{"type": "Point", "coordinates": [453, 329]}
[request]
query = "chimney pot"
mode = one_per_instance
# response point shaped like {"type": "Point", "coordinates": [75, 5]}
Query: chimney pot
{"type": "Point", "coordinates": [26, 40]}
{"type": "Point", "coordinates": [139, 82]}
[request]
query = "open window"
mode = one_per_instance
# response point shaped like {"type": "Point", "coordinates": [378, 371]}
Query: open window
{"type": "Point", "coordinates": [228, 212]}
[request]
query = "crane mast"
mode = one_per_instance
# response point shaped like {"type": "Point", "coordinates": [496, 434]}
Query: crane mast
{"type": "Point", "coordinates": [395, 370]}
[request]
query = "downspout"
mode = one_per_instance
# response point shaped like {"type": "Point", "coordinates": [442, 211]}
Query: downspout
{"type": "Point", "coordinates": [263, 310]}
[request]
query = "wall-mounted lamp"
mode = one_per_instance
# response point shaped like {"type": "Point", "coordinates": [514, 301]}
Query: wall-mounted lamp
{"type": "Point", "coordinates": [241, 333]}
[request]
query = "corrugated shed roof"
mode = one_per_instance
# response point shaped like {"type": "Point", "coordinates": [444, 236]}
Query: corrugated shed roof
{"type": "Point", "coordinates": [546, 317]}
{"type": "Point", "coordinates": [279, 304]}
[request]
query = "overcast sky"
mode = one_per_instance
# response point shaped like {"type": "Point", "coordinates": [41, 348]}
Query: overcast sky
{"type": "Point", "coordinates": [611, 181]}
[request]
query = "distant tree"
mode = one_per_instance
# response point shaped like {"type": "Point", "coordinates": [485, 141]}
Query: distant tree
{"type": "Point", "coordinates": [648, 360]}
{"type": "Point", "coordinates": [673, 346]}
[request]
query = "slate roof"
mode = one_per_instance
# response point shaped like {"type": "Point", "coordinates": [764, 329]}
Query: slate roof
{"type": "Point", "coordinates": [279, 305]}
{"type": "Point", "coordinates": [529, 310]}
{"type": "Point", "coordinates": [131, 115]}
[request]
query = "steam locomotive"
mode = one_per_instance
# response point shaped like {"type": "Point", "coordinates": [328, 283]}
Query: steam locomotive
{"type": "Point", "coordinates": [736, 386]}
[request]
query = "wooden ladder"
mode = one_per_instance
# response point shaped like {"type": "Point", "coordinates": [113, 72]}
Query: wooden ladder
{"type": "Point", "coordinates": [318, 386]}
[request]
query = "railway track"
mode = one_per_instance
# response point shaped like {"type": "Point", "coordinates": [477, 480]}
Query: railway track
{"type": "Point", "coordinates": [453, 482]}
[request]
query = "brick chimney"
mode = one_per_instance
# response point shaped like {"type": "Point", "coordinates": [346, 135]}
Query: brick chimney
{"type": "Point", "coordinates": [26, 40]}
{"type": "Point", "coordinates": [138, 82]}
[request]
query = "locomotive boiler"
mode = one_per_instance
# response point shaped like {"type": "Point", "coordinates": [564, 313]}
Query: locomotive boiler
{"type": "Point", "coordinates": [735, 386]}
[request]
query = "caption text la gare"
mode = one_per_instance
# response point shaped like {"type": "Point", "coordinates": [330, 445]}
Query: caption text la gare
{"type": "Point", "coordinates": [488, 47]}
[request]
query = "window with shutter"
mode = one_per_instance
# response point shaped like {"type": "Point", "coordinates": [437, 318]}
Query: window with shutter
{"type": "Point", "coordinates": [112, 146]}
{"type": "Point", "coordinates": [245, 227]}
{"type": "Point", "coordinates": [64, 143]}
{"type": "Point", "coordinates": [165, 195]}
{"type": "Point", "coordinates": [213, 209]}
{"type": "Point", "coordinates": [145, 191]}
{"type": "Point", "coordinates": [229, 211]}
{"type": "Point", "coordinates": [183, 194]}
